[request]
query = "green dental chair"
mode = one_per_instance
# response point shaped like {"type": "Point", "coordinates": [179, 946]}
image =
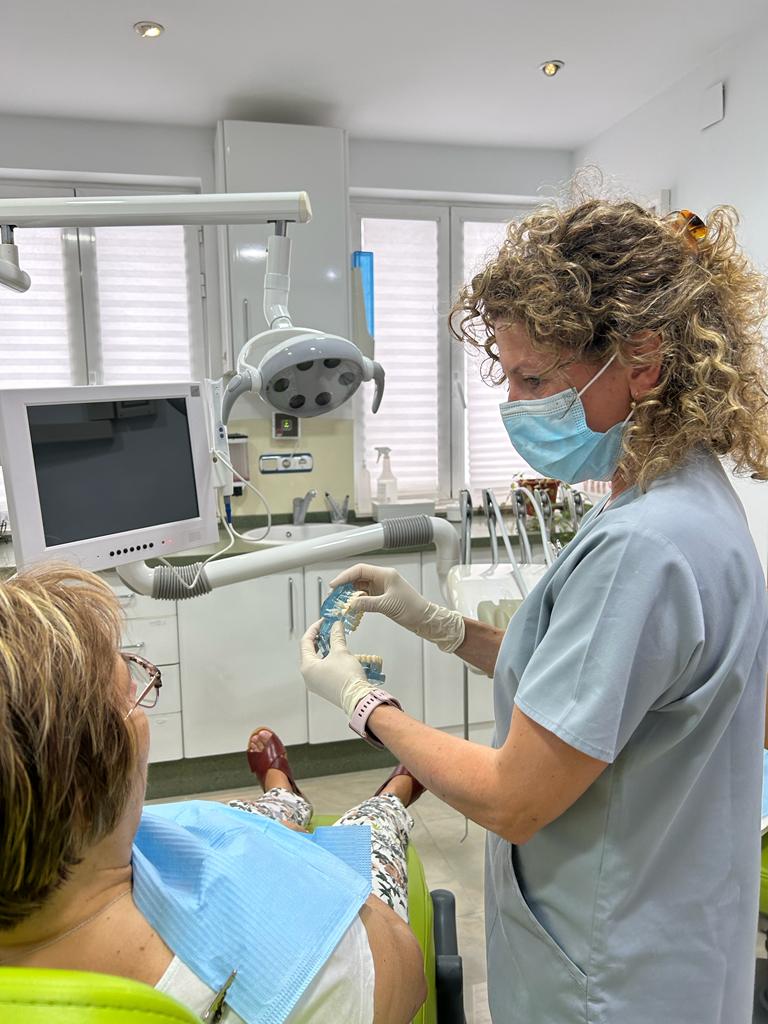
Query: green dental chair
{"type": "Point", "coordinates": [35, 996]}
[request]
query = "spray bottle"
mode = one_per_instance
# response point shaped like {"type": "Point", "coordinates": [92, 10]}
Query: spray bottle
{"type": "Point", "coordinates": [386, 490]}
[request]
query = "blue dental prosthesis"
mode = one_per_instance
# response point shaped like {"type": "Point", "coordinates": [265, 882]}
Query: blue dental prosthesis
{"type": "Point", "coordinates": [336, 608]}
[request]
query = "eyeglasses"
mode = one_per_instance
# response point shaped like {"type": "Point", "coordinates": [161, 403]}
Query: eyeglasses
{"type": "Point", "coordinates": [146, 681]}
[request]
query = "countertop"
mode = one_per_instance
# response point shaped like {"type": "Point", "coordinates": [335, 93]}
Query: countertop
{"type": "Point", "coordinates": [480, 539]}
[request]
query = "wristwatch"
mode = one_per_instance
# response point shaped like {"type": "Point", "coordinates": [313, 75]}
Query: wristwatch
{"type": "Point", "coordinates": [359, 721]}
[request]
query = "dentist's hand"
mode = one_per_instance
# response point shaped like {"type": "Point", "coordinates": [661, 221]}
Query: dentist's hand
{"type": "Point", "coordinates": [389, 594]}
{"type": "Point", "coordinates": [339, 677]}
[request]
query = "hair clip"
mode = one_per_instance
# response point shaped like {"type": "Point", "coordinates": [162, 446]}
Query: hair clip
{"type": "Point", "coordinates": [694, 228]}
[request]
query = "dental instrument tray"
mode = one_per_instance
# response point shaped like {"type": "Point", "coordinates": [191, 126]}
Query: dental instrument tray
{"type": "Point", "coordinates": [335, 608]}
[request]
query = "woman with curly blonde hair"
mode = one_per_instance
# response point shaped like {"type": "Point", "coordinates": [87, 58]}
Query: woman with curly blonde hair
{"type": "Point", "coordinates": [622, 792]}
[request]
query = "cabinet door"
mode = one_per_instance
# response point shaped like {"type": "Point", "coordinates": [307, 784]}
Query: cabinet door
{"type": "Point", "coordinates": [400, 649]}
{"type": "Point", "coordinates": [443, 673]}
{"type": "Point", "coordinates": [239, 652]}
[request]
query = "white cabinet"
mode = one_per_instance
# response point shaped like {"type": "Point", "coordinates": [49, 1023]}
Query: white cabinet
{"type": "Point", "coordinates": [155, 639]}
{"type": "Point", "coordinates": [239, 664]}
{"type": "Point", "coordinates": [443, 673]}
{"type": "Point", "coordinates": [150, 629]}
{"type": "Point", "coordinates": [400, 649]}
{"type": "Point", "coordinates": [255, 157]}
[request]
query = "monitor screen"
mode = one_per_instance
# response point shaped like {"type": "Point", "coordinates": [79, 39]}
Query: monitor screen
{"type": "Point", "coordinates": [111, 467]}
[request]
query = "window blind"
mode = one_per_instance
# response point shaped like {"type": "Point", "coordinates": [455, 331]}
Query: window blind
{"type": "Point", "coordinates": [406, 329]}
{"type": "Point", "coordinates": [143, 304]}
{"type": "Point", "coordinates": [491, 459]}
{"type": "Point", "coordinates": [34, 325]}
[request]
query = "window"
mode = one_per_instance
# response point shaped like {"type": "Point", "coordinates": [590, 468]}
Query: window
{"type": "Point", "coordinates": [106, 306]}
{"type": "Point", "coordinates": [491, 461]}
{"type": "Point", "coordinates": [408, 337]}
{"type": "Point", "coordinates": [34, 327]}
{"type": "Point", "coordinates": [438, 415]}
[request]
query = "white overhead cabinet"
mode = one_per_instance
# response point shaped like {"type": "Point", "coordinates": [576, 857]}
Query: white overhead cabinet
{"type": "Point", "coordinates": [254, 157]}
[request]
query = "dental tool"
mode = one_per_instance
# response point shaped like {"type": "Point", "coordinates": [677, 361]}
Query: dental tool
{"type": "Point", "coordinates": [521, 519]}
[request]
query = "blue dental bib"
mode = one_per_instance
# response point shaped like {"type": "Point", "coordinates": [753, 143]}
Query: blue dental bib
{"type": "Point", "coordinates": [227, 889]}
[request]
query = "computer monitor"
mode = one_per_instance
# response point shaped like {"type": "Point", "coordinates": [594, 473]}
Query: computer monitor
{"type": "Point", "coordinates": [105, 475]}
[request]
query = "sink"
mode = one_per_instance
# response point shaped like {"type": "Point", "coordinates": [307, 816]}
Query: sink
{"type": "Point", "coordinates": [288, 533]}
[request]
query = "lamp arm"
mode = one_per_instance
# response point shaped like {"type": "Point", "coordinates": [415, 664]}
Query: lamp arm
{"type": "Point", "coordinates": [277, 279]}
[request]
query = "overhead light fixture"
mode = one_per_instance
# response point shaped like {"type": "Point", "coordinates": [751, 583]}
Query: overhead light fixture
{"type": "Point", "coordinates": [148, 29]}
{"type": "Point", "coordinates": [551, 67]}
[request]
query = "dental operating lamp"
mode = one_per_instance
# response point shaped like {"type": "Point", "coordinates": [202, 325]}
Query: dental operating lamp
{"type": "Point", "coordinates": [298, 369]}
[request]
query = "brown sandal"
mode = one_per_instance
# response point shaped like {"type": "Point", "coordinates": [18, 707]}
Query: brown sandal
{"type": "Point", "coordinates": [272, 756]}
{"type": "Point", "coordinates": [416, 789]}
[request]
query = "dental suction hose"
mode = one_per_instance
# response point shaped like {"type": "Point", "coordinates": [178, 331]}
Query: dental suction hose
{"type": "Point", "coordinates": [173, 582]}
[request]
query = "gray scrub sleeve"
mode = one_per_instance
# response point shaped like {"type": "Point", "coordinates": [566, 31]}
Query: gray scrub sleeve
{"type": "Point", "coordinates": [625, 631]}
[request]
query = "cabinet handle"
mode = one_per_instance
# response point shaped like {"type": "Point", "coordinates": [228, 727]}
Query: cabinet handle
{"type": "Point", "coordinates": [290, 604]}
{"type": "Point", "coordinates": [133, 647]}
{"type": "Point", "coordinates": [125, 599]}
{"type": "Point", "coordinates": [319, 594]}
{"type": "Point", "coordinates": [246, 328]}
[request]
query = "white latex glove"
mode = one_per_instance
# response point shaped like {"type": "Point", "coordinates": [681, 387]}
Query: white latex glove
{"type": "Point", "coordinates": [391, 595]}
{"type": "Point", "coordinates": [339, 677]}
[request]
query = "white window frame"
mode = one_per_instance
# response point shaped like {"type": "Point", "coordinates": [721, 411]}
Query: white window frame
{"type": "Point", "coordinates": [452, 371]}
{"type": "Point", "coordinates": [80, 260]}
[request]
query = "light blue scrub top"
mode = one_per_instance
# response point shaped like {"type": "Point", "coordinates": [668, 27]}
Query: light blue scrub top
{"type": "Point", "coordinates": [644, 646]}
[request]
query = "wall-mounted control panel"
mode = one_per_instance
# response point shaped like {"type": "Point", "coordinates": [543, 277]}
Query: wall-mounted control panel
{"type": "Point", "coordinates": [285, 427]}
{"type": "Point", "coordinates": [295, 462]}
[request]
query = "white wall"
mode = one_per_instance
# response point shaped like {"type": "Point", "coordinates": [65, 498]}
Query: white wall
{"type": "Point", "coordinates": [63, 144]}
{"type": "Point", "coordinates": [661, 146]}
{"type": "Point", "coordinates": [435, 168]}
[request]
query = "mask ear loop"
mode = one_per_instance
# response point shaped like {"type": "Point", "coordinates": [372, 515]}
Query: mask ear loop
{"type": "Point", "coordinates": [589, 383]}
{"type": "Point", "coordinates": [597, 376]}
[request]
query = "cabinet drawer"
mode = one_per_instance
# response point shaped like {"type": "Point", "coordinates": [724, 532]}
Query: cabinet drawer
{"type": "Point", "coordinates": [137, 606]}
{"type": "Point", "coordinates": [165, 738]}
{"type": "Point", "coordinates": [169, 701]}
{"type": "Point", "coordinates": [154, 639]}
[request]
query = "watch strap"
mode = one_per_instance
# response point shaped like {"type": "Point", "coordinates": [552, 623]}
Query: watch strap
{"type": "Point", "coordinates": [359, 721]}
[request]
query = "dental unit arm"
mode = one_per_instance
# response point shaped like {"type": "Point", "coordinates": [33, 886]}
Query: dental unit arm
{"type": "Point", "coordinates": [165, 582]}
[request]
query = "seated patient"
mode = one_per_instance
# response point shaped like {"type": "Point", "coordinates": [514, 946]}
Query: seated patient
{"type": "Point", "coordinates": [74, 744]}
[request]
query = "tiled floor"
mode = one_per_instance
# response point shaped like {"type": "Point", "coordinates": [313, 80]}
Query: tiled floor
{"type": "Point", "coordinates": [449, 863]}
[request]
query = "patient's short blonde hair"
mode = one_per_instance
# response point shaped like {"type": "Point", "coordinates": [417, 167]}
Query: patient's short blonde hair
{"type": "Point", "coordinates": [67, 755]}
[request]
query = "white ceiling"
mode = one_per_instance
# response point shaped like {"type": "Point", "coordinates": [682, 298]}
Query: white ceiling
{"type": "Point", "coordinates": [423, 70]}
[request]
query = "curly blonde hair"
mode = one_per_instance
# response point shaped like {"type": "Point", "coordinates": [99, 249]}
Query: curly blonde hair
{"type": "Point", "coordinates": [599, 277]}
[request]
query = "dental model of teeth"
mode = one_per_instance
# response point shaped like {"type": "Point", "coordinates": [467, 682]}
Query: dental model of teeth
{"type": "Point", "coordinates": [336, 607]}
{"type": "Point", "coordinates": [372, 665]}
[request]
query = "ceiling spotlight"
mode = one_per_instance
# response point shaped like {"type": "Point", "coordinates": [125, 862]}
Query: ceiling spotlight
{"type": "Point", "coordinates": [551, 67]}
{"type": "Point", "coordinates": [148, 29]}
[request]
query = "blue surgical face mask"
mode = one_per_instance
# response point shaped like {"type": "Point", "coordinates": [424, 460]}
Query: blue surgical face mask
{"type": "Point", "coordinates": [553, 437]}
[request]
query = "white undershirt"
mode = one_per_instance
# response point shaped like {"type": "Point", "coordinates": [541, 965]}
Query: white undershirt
{"type": "Point", "coordinates": [342, 990]}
